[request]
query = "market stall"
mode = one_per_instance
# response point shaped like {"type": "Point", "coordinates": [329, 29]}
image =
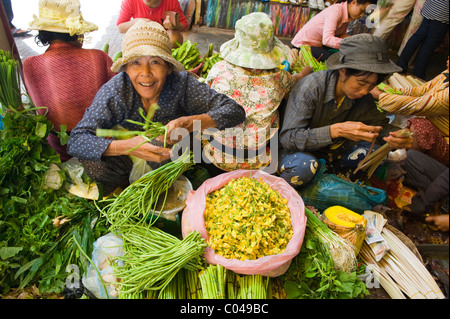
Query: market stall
{"type": "Point", "coordinates": [239, 235]}
{"type": "Point", "coordinates": [287, 17]}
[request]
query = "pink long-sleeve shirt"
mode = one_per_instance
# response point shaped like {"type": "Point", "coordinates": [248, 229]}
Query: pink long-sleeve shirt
{"type": "Point", "coordinates": [325, 28]}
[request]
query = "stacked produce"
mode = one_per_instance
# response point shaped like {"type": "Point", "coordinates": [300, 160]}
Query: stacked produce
{"type": "Point", "coordinates": [187, 54]}
{"type": "Point", "coordinates": [247, 219]}
{"type": "Point", "coordinates": [401, 81]}
{"type": "Point", "coordinates": [139, 200]}
{"type": "Point", "coordinates": [303, 58]}
{"type": "Point", "coordinates": [325, 267]}
{"type": "Point", "coordinates": [153, 258]}
{"type": "Point", "coordinates": [39, 220]}
{"type": "Point", "coordinates": [209, 60]}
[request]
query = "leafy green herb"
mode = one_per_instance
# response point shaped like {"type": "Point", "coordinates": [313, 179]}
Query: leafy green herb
{"type": "Point", "coordinates": [312, 274]}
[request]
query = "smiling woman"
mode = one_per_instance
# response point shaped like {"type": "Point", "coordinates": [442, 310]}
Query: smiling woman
{"type": "Point", "coordinates": [148, 74]}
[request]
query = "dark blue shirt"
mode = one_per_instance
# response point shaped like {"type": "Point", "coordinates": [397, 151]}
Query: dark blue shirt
{"type": "Point", "coordinates": [117, 101]}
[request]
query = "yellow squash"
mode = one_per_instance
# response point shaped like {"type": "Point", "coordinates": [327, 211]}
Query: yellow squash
{"type": "Point", "coordinates": [347, 224]}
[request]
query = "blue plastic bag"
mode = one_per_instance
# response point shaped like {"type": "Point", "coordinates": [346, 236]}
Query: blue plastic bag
{"type": "Point", "coordinates": [327, 190]}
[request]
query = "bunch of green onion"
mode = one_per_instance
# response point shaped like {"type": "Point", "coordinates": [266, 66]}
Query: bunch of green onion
{"type": "Point", "coordinates": [150, 131]}
{"type": "Point", "coordinates": [341, 250]}
{"type": "Point", "coordinates": [140, 199]}
{"type": "Point", "coordinates": [153, 258]}
{"type": "Point", "coordinates": [10, 93]}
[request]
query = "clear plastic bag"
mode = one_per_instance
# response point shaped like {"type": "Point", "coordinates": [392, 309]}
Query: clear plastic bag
{"type": "Point", "coordinates": [273, 265]}
{"type": "Point", "coordinates": [78, 183]}
{"type": "Point", "coordinates": [106, 248]}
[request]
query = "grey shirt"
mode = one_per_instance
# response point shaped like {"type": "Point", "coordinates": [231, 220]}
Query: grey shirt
{"type": "Point", "coordinates": [312, 108]}
{"type": "Point", "coordinates": [117, 101]}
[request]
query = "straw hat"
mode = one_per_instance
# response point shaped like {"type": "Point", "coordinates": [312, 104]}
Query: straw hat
{"type": "Point", "coordinates": [254, 44]}
{"type": "Point", "coordinates": [61, 16]}
{"type": "Point", "coordinates": [364, 52]}
{"type": "Point", "coordinates": [146, 39]}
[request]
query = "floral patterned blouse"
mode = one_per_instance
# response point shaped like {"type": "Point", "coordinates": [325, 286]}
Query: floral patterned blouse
{"type": "Point", "coordinates": [259, 92]}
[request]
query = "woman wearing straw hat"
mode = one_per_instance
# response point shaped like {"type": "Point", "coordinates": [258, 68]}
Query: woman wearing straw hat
{"type": "Point", "coordinates": [66, 77]}
{"type": "Point", "coordinates": [332, 115]}
{"type": "Point", "coordinates": [249, 74]}
{"type": "Point", "coordinates": [148, 74]}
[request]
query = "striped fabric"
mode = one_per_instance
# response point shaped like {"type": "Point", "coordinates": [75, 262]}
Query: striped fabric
{"type": "Point", "coordinates": [429, 100]}
{"type": "Point", "coordinates": [436, 10]}
{"type": "Point", "coordinates": [65, 79]}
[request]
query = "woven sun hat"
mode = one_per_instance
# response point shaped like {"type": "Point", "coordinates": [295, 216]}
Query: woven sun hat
{"type": "Point", "coordinates": [146, 39]}
{"type": "Point", "coordinates": [364, 52]}
{"type": "Point", "coordinates": [61, 16]}
{"type": "Point", "coordinates": [254, 44]}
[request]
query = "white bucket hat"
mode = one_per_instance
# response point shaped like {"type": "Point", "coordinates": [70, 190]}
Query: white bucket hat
{"type": "Point", "coordinates": [254, 44]}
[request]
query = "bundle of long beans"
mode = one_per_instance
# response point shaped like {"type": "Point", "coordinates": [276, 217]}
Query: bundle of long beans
{"type": "Point", "coordinates": [193, 285]}
{"type": "Point", "coordinates": [254, 287]}
{"type": "Point", "coordinates": [213, 281]}
{"type": "Point", "coordinates": [150, 131]}
{"type": "Point", "coordinates": [140, 199]}
{"type": "Point", "coordinates": [374, 159]}
{"type": "Point", "coordinates": [153, 257]}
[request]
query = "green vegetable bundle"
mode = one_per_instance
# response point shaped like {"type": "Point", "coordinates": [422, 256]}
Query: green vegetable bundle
{"type": "Point", "coordinates": [213, 282]}
{"type": "Point", "coordinates": [313, 275]}
{"type": "Point", "coordinates": [311, 60]}
{"type": "Point", "coordinates": [153, 258]}
{"type": "Point", "coordinates": [139, 200]}
{"type": "Point", "coordinates": [209, 60]}
{"type": "Point", "coordinates": [150, 131]}
{"type": "Point", "coordinates": [187, 54]}
{"type": "Point", "coordinates": [10, 93]}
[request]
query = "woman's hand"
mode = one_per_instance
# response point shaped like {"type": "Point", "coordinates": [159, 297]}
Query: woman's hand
{"type": "Point", "coordinates": [376, 93]}
{"type": "Point", "coordinates": [177, 129]}
{"type": "Point", "coordinates": [146, 151]}
{"type": "Point", "coordinates": [354, 131]}
{"type": "Point", "coordinates": [399, 139]}
{"type": "Point", "coordinates": [440, 221]}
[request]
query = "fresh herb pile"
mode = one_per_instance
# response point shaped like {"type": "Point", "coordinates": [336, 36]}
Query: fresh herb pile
{"type": "Point", "coordinates": [313, 275]}
{"type": "Point", "coordinates": [32, 249]}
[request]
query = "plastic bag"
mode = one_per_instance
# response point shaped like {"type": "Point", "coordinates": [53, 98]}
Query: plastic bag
{"type": "Point", "coordinates": [272, 266]}
{"type": "Point", "coordinates": [105, 247]}
{"type": "Point", "coordinates": [176, 198]}
{"type": "Point", "coordinates": [139, 169]}
{"type": "Point", "coordinates": [327, 190]}
{"type": "Point", "coordinates": [78, 183]}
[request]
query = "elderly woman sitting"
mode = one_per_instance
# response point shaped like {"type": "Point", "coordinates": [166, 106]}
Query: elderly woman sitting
{"type": "Point", "coordinates": [148, 74]}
